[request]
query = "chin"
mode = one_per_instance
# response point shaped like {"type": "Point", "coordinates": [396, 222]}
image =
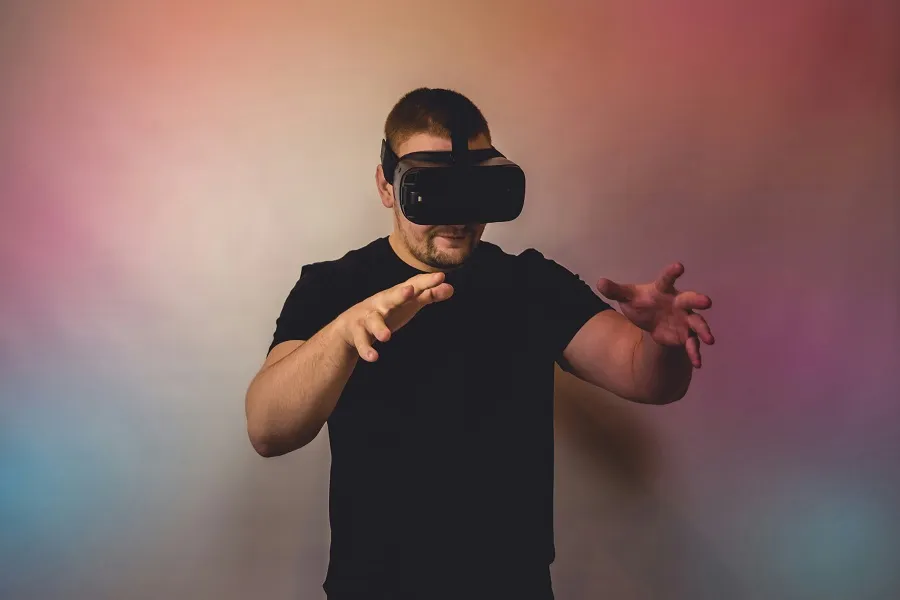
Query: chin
{"type": "Point", "coordinates": [446, 260]}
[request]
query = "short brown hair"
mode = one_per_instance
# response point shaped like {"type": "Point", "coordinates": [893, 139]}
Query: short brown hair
{"type": "Point", "coordinates": [429, 110]}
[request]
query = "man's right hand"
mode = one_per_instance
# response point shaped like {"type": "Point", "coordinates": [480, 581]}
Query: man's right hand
{"type": "Point", "coordinates": [379, 316]}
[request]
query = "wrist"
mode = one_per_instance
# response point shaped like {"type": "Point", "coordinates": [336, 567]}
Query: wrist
{"type": "Point", "coordinates": [341, 333]}
{"type": "Point", "coordinates": [658, 350]}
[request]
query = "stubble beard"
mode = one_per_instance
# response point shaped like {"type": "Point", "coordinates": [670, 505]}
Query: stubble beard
{"type": "Point", "coordinates": [428, 253]}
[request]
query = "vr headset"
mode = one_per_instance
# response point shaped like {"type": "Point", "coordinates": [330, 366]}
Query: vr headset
{"type": "Point", "coordinates": [458, 187]}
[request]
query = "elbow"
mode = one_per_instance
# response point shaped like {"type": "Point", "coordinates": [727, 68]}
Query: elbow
{"type": "Point", "coordinates": [262, 439]}
{"type": "Point", "coordinates": [667, 394]}
{"type": "Point", "coordinates": [258, 434]}
{"type": "Point", "coordinates": [668, 397]}
{"type": "Point", "coordinates": [666, 381]}
{"type": "Point", "coordinates": [262, 442]}
{"type": "Point", "coordinates": [655, 399]}
{"type": "Point", "coordinates": [268, 446]}
{"type": "Point", "coordinates": [269, 443]}
{"type": "Point", "coordinates": [272, 432]}
{"type": "Point", "coordinates": [263, 447]}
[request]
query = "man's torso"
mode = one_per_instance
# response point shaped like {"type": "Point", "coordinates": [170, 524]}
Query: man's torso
{"type": "Point", "coordinates": [442, 450]}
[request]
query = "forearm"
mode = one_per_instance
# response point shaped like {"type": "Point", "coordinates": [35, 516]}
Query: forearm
{"type": "Point", "coordinates": [662, 374]}
{"type": "Point", "coordinates": [290, 401]}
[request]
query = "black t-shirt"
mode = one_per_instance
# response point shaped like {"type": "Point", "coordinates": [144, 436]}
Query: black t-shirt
{"type": "Point", "coordinates": [442, 450]}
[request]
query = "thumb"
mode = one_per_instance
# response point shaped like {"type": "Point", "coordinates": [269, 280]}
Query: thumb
{"type": "Point", "coordinates": [614, 291]}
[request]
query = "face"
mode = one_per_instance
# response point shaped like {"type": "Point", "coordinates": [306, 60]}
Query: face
{"type": "Point", "coordinates": [430, 247]}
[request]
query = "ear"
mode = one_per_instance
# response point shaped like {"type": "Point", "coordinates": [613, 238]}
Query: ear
{"type": "Point", "coordinates": [385, 189]}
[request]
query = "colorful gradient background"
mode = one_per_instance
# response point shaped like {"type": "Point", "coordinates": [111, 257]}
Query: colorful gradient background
{"type": "Point", "coordinates": [167, 167]}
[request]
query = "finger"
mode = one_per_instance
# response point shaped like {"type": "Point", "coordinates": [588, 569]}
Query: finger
{"type": "Point", "coordinates": [435, 294]}
{"type": "Point", "coordinates": [374, 323]}
{"type": "Point", "coordinates": [692, 345]}
{"type": "Point", "coordinates": [666, 279]}
{"type": "Point", "coordinates": [363, 342]}
{"type": "Point", "coordinates": [701, 327]}
{"type": "Point", "coordinates": [412, 288]}
{"type": "Point", "coordinates": [395, 297]}
{"type": "Point", "coordinates": [692, 301]}
{"type": "Point", "coordinates": [426, 281]}
{"type": "Point", "coordinates": [615, 291]}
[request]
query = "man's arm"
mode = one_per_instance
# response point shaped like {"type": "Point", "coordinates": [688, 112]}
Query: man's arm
{"type": "Point", "coordinates": [609, 351]}
{"type": "Point", "coordinates": [296, 390]}
{"type": "Point", "coordinates": [648, 352]}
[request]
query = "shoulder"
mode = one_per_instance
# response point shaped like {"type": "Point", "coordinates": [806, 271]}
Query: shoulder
{"type": "Point", "coordinates": [549, 281]}
{"type": "Point", "coordinates": [546, 274]}
{"type": "Point", "coordinates": [329, 285]}
{"type": "Point", "coordinates": [344, 268]}
{"type": "Point", "coordinates": [531, 271]}
{"type": "Point", "coordinates": [337, 282]}
{"type": "Point", "coordinates": [530, 263]}
{"type": "Point", "coordinates": [492, 253]}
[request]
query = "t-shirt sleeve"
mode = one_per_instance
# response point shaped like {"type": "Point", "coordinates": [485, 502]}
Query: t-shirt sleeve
{"type": "Point", "coordinates": [562, 302]}
{"type": "Point", "coordinates": [312, 303]}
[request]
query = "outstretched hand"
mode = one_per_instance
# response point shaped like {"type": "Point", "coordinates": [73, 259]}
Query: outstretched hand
{"type": "Point", "coordinates": [378, 317]}
{"type": "Point", "coordinates": [663, 311]}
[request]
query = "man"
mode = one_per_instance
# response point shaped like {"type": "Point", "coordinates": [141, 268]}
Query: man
{"type": "Point", "coordinates": [430, 354]}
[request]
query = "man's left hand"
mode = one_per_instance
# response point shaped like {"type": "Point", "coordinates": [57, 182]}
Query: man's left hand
{"type": "Point", "coordinates": [664, 312]}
